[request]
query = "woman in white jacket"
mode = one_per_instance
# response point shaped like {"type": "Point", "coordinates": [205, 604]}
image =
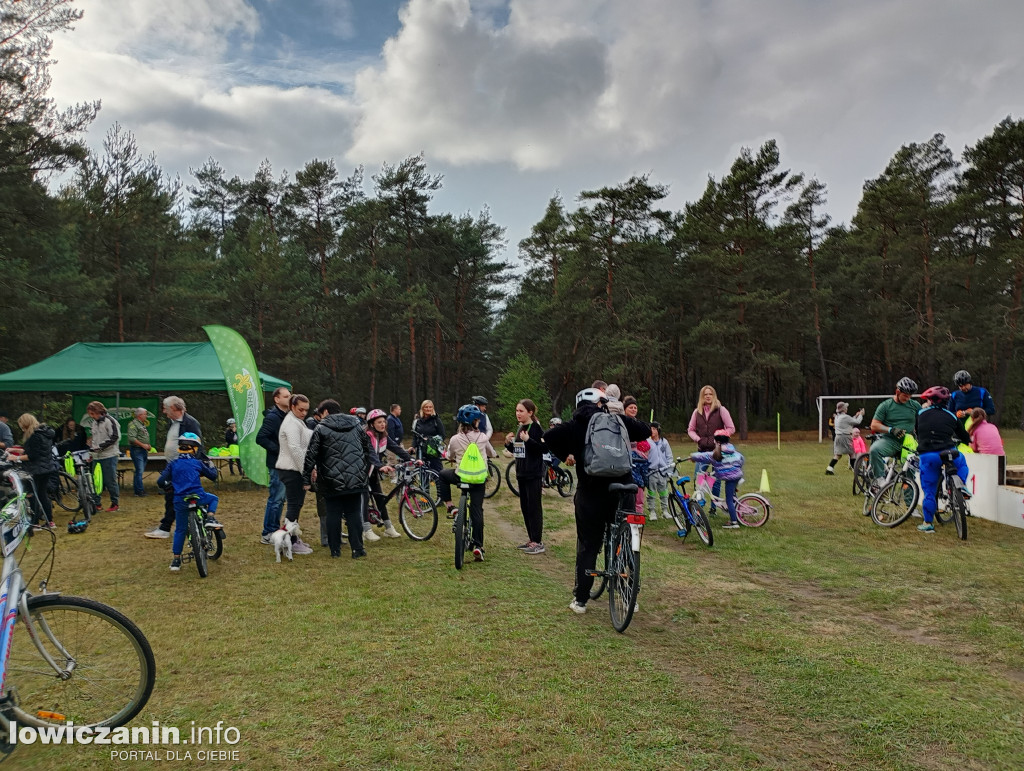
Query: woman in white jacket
{"type": "Point", "coordinates": [293, 439]}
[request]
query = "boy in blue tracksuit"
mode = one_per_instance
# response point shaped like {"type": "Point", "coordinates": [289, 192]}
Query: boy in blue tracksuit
{"type": "Point", "coordinates": [184, 474]}
{"type": "Point", "coordinates": [727, 466]}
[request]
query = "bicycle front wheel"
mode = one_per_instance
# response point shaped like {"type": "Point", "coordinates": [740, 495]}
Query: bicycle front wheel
{"type": "Point", "coordinates": [676, 512]}
{"type": "Point", "coordinates": [753, 509]}
{"type": "Point", "coordinates": [511, 479]}
{"type": "Point", "coordinates": [418, 514]}
{"type": "Point", "coordinates": [493, 483]}
{"type": "Point", "coordinates": [460, 532]}
{"type": "Point", "coordinates": [894, 502]}
{"type": "Point", "coordinates": [565, 482]}
{"type": "Point", "coordinates": [65, 494]}
{"type": "Point", "coordinates": [197, 544]}
{"type": "Point", "coordinates": [624, 586]}
{"type": "Point", "coordinates": [113, 670]}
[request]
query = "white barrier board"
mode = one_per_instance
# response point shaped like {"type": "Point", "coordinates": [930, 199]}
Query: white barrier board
{"type": "Point", "coordinates": [991, 500]}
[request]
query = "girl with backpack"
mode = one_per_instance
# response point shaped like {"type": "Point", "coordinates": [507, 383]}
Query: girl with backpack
{"type": "Point", "coordinates": [595, 505]}
{"type": "Point", "coordinates": [468, 434]}
{"type": "Point", "coordinates": [727, 465]}
{"type": "Point", "coordinates": [527, 445]}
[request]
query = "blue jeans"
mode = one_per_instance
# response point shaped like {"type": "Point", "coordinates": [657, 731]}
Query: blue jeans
{"type": "Point", "coordinates": [138, 456]}
{"type": "Point", "coordinates": [209, 500]}
{"type": "Point", "coordinates": [275, 504]}
{"type": "Point", "coordinates": [730, 497]}
{"type": "Point", "coordinates": [109, 466]}
{"type": "Point", "coordinates": [931, 476]}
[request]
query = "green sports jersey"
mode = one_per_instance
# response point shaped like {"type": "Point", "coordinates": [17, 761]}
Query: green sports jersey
{"type": "Point", "coordinates": [891, 413]}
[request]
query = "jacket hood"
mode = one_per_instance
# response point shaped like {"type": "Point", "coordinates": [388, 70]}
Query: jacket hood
{"type": "Point", "coordinates": [341, 422]}
{"type": "Point", "coordinates": [586, 411]}
{"type": "Point", "coordinates": [46, 431]}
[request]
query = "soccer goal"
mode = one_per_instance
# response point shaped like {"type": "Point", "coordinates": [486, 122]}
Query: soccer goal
{"type": "Point", "coordinates": [859, 399]}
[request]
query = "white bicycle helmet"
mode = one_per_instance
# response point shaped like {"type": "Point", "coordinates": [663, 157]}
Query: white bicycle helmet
{"type": "Point", "coordinates": [591, 395]}
{"type": "Point", "coordinates": [907, 386]}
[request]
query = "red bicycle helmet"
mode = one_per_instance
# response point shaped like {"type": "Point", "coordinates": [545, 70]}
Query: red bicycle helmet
{"type": "Point", "coordinates": [936, 394]}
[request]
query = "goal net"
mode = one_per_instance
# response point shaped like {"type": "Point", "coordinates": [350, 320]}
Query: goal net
{"type": "Point", "coordinates": [827, 406]}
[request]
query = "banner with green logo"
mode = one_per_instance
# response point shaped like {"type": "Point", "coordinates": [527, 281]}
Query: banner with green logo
{"type": "Point", "coordinates": [121, 409]}
{"type": "Point", "coordinates": [246, 394]}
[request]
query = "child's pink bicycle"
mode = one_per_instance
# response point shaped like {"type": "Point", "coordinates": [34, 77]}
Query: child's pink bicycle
{"type": "Point", "coordinates": [752, 509]}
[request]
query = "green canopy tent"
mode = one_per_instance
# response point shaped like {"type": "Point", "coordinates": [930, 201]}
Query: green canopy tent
{"type": "Point", "coordinates": [130, 367]}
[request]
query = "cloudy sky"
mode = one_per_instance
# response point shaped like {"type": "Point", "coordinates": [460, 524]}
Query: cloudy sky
{"type": "Point", "coordinates": [513, 100]}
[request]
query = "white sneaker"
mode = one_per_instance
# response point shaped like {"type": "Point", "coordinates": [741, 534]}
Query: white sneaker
{"type": "Point", "coordinates": [369, 535]}
{"type": "Point", "coordinates": [575, 607]}
{"type": "Point", "coordinates": [300, 547]}
{"type": "Point", "coordinates": [157, 533]}
{"type": "Point", "coordinates": [830, 470]}
{"type": "Point", "coordinates": [390, 531]}
{"type": "Point", "coordinates": [653, 517]}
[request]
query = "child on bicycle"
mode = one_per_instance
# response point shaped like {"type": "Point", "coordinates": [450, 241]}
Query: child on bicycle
{"type": "Point", "coordinates": [660, 458]}
{"type": "Point", "coordinates": [727, 466]}
{"type": "Point", "coordinates": [469, 433]}
{"type": "Point", "coordinates": [380, 443]}
{"type": "Point", "coordinates": [184, 474]}
{"type": "Point", "coordinates": [938, 431]}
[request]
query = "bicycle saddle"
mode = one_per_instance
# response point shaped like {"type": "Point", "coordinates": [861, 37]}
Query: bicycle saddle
{"type": "Point", "coordinates": [617, 487]}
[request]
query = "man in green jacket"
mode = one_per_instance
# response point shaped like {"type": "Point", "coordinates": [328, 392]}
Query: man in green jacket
{"type": "Point", "coordinates": [894, 418]}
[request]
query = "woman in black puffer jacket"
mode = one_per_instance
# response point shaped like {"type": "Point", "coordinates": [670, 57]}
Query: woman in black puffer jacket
{"type": "Point", "coordinates": [37, 441]}
{"type": "Point", "coordinates": [339, 451]}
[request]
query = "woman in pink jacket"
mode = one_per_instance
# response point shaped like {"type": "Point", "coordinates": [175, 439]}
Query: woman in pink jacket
{"type": "Point", "coordinates": [985, 437]}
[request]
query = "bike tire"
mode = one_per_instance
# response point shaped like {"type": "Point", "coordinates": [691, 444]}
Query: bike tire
{"type": "Point", "coordinates": [114, 669]}
{"type": "Point", "coordinates": [460, 532]}
{"type": "Point", "coordinates": [861, 473]}
{"type": "Point", "coordinates": [601, 580]}
{"type": "Point", "coordinates": [894, 502]}
{"type": "Point", "coordinates": [197, 545]}
{"type": "Point", "coordinates": [624, 586]}
{"type": "Point", "coordinates": [493, 483]}
{"type": "Point", "coordinates": [426, 480]}
{"type": "Point", "coordinates": [675, 510]}
{"type": "Point", "coordinates": [753, 509]}
{"type": "Point", "coordinates": [65, 494]}
{"type": "Point", "coordinates": [702, 525]}
{"type": "Point", "coordinates": [418, 514]}
{"type": "Point", "coordinates": [956, 502]}
{"type": "Point", "coordinates": [511, 479]}
{"type": "Point", "coordinates": [944, 514]}
{"type": "Point", "coordinates": [565, 482]}
{"type": "Point", "coordinates": [214, 543]}
{"type": "Point", "coordinates": [88, 498]}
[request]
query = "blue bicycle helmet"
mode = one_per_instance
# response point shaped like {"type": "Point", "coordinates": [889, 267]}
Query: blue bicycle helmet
{"type": "Point", "coordinates": [188, 442]}
{"type": "Point", "coordinates": [468, 414]}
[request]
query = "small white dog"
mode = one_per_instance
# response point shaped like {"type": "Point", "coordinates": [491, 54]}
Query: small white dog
{"type": "Point", "coordinates": [282, 539]}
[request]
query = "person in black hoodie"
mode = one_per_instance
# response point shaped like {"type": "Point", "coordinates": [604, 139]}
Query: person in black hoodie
{"type": "Point", "coordinates": [37, 441]}
{"type": "Point", "coordinates": [266, 438]}
{"type": "Point", "coordinates": [595, 505]}
{"type": "Point", "coordinates": [527, 446]}
{"type": "Point", "coordinates": [339, 453]}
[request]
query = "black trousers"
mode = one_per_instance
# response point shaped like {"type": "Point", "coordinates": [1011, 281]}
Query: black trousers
{"type": "Point", "coordinates": [294, 494]}
{"type": "Point", "coordinates": [449, 477]}
{"type": "Point", "coordinates": [41, 496]}
{"type": "Point", "coordinates": [532, 508]}
{"type": "Point", "coordinates": [378, 495]}
{"type": "Point", "coordinates": [349, 506]}
{"type": "Point", "coordinates": [168, 520]}
{"type": "Point", "coordinates": [594, 510]}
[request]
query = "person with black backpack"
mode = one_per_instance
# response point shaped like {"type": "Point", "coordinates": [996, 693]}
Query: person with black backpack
{"type": "Point", "coordinates": [573, 442]}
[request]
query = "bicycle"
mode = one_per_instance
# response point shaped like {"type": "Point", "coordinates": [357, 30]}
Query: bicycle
{"type": "Point", "coordinates": [558, 478]}
{"type": "Point", "coordinates": [618, 566]}
{"type": "Point", "coordinates": [63, 491]}
{"type": "Point", "coordinates": [493, 483]}
{"type": "Point", "coordinates": [417, 510]}
{"type": "Point", "coordinates": [214, 540]}
{"type": "Point", "coordinates": [752, 509]}
{"type": "Point", "coordinates": [952, 488]}
{"type": "Point", "coordinates": [198, 538]}
{"type": "Point", "coordinates": [681, 506]}
{"type": "Point", "coordinates": [88, 662]}
{"type": "Point", "coordinates": [85, 483]}
{"type": "Point", "coordinates": [897, 497]}
{"type": "Point", "coordinates": [462, 527]}
{"type": "Point", "coordinates": [426, 477]}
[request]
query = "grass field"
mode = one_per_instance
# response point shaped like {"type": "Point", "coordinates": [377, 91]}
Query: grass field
{"type": "Point", "coordinates": [818, 641]}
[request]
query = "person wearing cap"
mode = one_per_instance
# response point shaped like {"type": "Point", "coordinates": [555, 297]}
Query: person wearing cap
{"type": "Point", "coordinates": [138, 446]}
{"type": "Point", "coordinates": [230, 438]}
{"type": "Point", "coordinates": [846, 428]}
{"type": "Point", "coordinates": [6, 437]}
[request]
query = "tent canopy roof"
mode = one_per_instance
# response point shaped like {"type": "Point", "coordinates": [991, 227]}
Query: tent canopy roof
{"type": "Point", "coordinates": [127, 367]}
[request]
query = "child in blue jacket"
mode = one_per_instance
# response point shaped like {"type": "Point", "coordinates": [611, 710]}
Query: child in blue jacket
{"type": "Point", "coordinates": [727, 466]}
{"type": "Point", "coordinates": [184, 474]}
